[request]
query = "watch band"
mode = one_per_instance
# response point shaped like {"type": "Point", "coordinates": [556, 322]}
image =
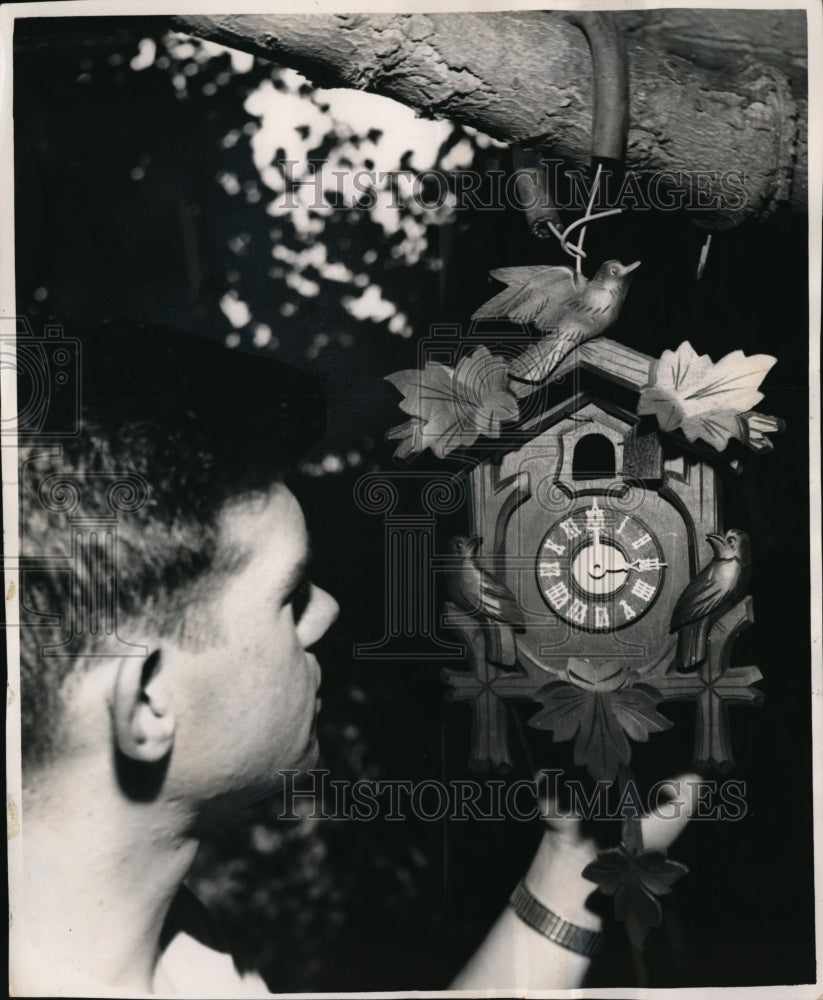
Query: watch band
{"type": "Point", "coordinates": [532, 912]}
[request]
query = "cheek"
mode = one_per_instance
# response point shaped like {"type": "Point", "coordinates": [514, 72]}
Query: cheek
{"type": "Point", "coordinates": [275, 658]}
{"type": "Point", "coordinates": [260, 671]}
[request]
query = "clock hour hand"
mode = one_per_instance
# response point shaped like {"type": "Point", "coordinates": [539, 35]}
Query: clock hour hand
{"type": "Point", "coordinates": [596, 550]}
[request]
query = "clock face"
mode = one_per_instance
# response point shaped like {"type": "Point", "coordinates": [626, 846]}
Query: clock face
{"type": "Point", "coordinates": [599, 569]}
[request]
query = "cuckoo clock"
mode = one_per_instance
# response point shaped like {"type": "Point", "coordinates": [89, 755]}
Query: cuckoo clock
{"type": "Point", "coordinates": [597, 523]}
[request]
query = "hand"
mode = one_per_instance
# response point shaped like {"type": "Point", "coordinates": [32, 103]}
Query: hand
{"type": "Point", "coordinates": [516, 957]}
{"type": "Point", "coordinates": [554, 876]}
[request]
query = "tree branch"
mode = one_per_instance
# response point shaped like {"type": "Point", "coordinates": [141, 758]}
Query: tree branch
{"type": "Point", "coordinates": [525, 77]}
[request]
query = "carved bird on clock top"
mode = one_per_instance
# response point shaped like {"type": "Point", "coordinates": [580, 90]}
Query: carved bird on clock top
{"type": "Point", "coordinates": [561, 303]}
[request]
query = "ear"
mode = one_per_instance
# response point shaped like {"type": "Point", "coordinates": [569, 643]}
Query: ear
{"type": "Point", "coordinates": [142, 711]}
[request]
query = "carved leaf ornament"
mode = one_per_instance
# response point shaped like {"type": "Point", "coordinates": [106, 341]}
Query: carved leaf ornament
{"type": "Point", "coordinates": [452, 407]}
{"type": "Point", "coordinates": [597, 708]}
{"type": "Point", "coordinates": [710, 400]}
{"type": "Point", "coordinates": [635, 879]}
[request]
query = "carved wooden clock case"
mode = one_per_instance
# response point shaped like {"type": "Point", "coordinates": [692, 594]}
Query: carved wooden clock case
{"type": "Point", "coordinates": [601, 553]}
{"type": "Point", "coordinates": [597, 529]}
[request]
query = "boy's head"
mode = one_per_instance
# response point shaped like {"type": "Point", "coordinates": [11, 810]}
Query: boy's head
{"type": "Point", "coordinates": [163, 559]}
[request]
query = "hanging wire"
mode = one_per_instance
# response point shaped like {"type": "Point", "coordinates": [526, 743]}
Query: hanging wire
{"type": "Point", "coordinates": [576, 249]}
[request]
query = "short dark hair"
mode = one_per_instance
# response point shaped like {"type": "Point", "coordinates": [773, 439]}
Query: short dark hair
{"type": "Point", "coordinates": [180, 426]}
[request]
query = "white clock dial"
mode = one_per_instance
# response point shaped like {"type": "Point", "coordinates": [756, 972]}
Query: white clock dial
{"type": "Point", "coordinates": [599, 569]}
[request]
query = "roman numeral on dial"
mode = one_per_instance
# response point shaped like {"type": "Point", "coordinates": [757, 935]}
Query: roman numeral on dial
{"type": "Point", "coordinates": [550, 569]}
{"type": "Point", "coordinates": [643, 590]}
{"type": "Point", "coordinates": [559, 595]}
{"type": "Point", "coordinates": [628, 611]}
{"type": "Point", "coordinates": [557, 549]}
{"type": "Point", "coordinates": [578, 611]}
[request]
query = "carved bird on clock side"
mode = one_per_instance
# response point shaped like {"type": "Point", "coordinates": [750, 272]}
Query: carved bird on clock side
{"type": "Point", "coordinates": [481, 594]}
{"type": "Point", "coordinates": [715, 590]}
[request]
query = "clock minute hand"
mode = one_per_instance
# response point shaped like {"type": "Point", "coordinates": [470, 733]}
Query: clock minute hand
{"type": "Point", "coordinates": [638, 564]}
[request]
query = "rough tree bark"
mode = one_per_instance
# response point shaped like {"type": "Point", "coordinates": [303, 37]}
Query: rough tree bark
{"type": "Point", "coordinates": [525, 77]}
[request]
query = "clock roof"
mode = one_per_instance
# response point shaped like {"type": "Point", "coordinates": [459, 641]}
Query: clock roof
{"type": "Point", "coordinates": [607, 378]}
{"type": "Point", "coordinates": [593, 406]}
{"type": "Point", "coordinates": [621, 365]}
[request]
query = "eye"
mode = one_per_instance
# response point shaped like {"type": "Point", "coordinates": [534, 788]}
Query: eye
{"type": "Point", "coordinates": [299, 599]}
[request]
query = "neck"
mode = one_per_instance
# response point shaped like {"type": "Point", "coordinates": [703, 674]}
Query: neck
{"type": "Point", "coordinates": [100, 872]}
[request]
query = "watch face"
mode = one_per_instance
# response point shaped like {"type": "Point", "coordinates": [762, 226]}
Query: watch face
{"type": "Point", "coordinates": [599, 569]}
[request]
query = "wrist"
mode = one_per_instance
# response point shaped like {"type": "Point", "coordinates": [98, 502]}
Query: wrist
{"type": "Point", "coordinates": [555, 879]}
{"type": "Point", "coordinates": [578, 938]}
